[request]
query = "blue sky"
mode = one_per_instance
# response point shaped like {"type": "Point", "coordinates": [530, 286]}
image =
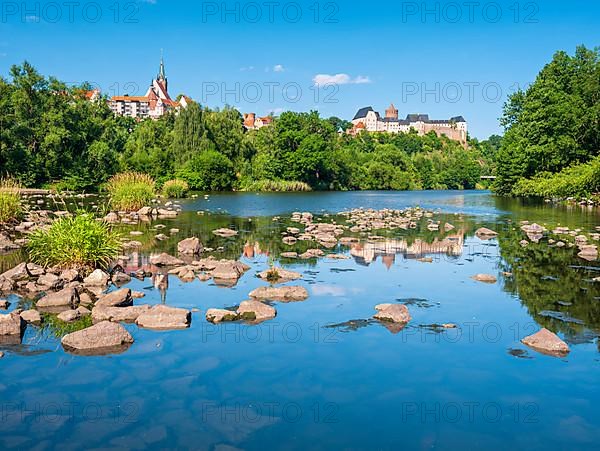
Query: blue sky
{"type": "Point", "coordinates": [443, 58]}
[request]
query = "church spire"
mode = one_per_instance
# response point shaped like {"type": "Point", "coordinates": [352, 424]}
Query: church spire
{"type": "Point", "coordinates": [161, 72]}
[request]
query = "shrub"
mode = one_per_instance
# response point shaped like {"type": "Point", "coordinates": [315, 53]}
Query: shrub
{"type": "Point", "coordinates": [175, 189]}
{"type": "Point", "coordinates": [208, 171]}
{"type": "Point", "coordinates": [130, 191]}
{"type": "Point", "coordinates": [277, 186]}
{"type": "Point", "coordinates": [79, 242]}
{"type": "Point", "coordinates": [10, 200]}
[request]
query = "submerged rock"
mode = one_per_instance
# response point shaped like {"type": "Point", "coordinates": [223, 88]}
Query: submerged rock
{"type": "Point", "coordinates": [162, 317]}
{"type": "Point", "coordinates": [256, 311]}
{"type": "Point", "coordinates": [214, 315]}
{"type": "Point", "coordinates": [99, 339]}
{"type": "Point", "coordinates": [485, 233]}
{"type": "Point", "coordinates": [225, 233]}
{"type": "Point", "coordinates": [282, 294]}
{"type": "Point", "coordinates": [394, 313]}
{"type": "Point", "coordinates": [485, 278]}
{"type": "Point", "coordinates": [4, 304]}
{"type": "Point", "coordinates": [547, 343]}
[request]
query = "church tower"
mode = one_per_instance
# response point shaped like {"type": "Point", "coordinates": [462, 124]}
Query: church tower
{"type": "Point", "coordinates": [391, 112]}
{"type": "Point", "coordinates": [161, 77]}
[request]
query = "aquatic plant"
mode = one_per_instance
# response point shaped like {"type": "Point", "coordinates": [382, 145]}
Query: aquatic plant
{"type": "Point", "coordinates": [80, 242]}
{"type": "Point", "coordinates": [175, 189]}
{"type": "Point", "coordinates": [277, 186]}
{"type": "Point", "coordinates": [10, 200]}
{"type": "Point", "coordinates": [130, 191]}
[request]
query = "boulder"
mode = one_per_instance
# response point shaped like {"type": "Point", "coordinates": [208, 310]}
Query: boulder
{"type": "Point", "coordinates": [69, 316]}
{"type": "Point", "coordinates": [49, 281]}
{"type": "Point", "coordinates": [144, 211]}
{"type": "Point", "coordinates": [31, 316]}
{"type": "Point", "coordinates": [189, 246]}
{"type": "Point", "coordinates": [83, 311]}
{"type": "Point", "coordinates": [22, 271]}
{"type": "Point", "coordinates": [162, 317]}
{"type": "Point", "coordinates": [485, 233]}
{"type": "Point", "coordinates": [120, 278]}
{"type": "Point", "coordinates": [225, 233]}
{"type": "Point", "coordinates": [282, 294]}
{"type": "Point", "coordinates": [118, 314]}
{"type": "Point", "coordinates": [69, 275]}
{"type": "Point", "coordinates": [485, 278]}
{"type": "Point", "coordinates": [547, 342]}
{"type": "Point", "coordinates": [119, 298]}
{"type": "Point", "coordinates": [588, 252]}
{"type": "Point", "coordinates": [256, 311]}
{"type": "Point", "coordinates": [393, 313]}
{"type": "Point", "coordinates": [229, 270]}
{"type": "Point", "coordinates": [11, 324]}
{"type": "Point", "coordinates": [215, 315]}
{"type": "Point", "coordinates": [67, 297]}
{"type": "Point", "coordinates": [99, 339]}
{"type": "Point", "coordinates": [112, 218]}
{"type": "Point", "coordinates": [98, 278]}
{"type": "Point", "coordinates": [279, 275]}
{"type": "Point", "coordinates": [4, 304]}
{"type": "Point", "coordinates": [165, 259]}
{"type": "Point", "coordinates": [289, 255]}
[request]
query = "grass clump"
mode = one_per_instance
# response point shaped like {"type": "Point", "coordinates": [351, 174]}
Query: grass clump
{"type": "Point", "coordinates": [277, 186]}
{"type": "Point", "coordinates": [10, 200]}
{"type": "Point", "coordinates": [175, 189]}
{"type": "Point", "coordinates": [79, 242]}
{"type": "Point", "coordinates": [130, 191]}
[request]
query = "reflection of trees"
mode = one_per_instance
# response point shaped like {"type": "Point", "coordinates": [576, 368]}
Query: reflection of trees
{"type": "Point", "coordinates": [545, 280]}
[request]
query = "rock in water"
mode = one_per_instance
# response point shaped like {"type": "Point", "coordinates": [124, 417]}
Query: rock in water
{"type": "Point", "coordinates": [485, 278]}
{"type": "Point", "coordinates": [279, 275]}
{"type": "Point", "coordinates": [99, 339]}
{"type": "Point", "coordinates": [165, 260]}
{"type": "Point", "coordinates": [189, 246]}
{"type": "Point", "coordinates": [11, 324]}
{"type": "Point", "coordinates": [162, 317]}
{"type": "Point", "coordinates": [214, 315]}
{"type": "Point", "coordinates": [547, 343]}
{"type": "Point", "coordinates": [485, 233]}
{"type": "Point", "coordinates": [118, 314]}
{"type": "Point", "coordinates": [119, 298]}
{"type": "Point", "coordinates": [97, 279]}
{"type": "Point", "coordinates": [256, 311]}
{"type": "Point", "coordinates": [282, 294]}
{"type": "Point", "coordinates": [69, 316]}
{"type": "Point", "coordinates": [394, 313]}
{"type": "Point", "coordinates": [64, 298]}
{"type": "Point", "coordinates": [31, 316]}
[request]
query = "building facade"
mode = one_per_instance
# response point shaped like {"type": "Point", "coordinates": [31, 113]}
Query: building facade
{"type": "Point", "coordinates": [367, 119]}
{"type": "Point", "coordinates": [251, 122]}
{"type": "Point", "coordinates": [156, 103]}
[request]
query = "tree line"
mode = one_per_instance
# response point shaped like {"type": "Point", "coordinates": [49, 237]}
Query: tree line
{"type": "Point", "coordinates": [52, 135]}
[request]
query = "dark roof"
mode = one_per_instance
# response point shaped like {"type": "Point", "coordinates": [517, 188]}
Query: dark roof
{"type": "Point", "coordinates": [457, 119]}
{"type": "Point", "coordinates": [362, 113]}
{"type": "Point", "coordinates": [417, 117]}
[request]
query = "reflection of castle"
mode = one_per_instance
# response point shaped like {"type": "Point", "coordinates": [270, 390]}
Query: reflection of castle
{"type": "Point", "coordinates": [366, 253]}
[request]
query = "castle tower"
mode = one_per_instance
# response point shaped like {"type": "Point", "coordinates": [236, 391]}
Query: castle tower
{"type": "Point", "coordinates": [391, 112]}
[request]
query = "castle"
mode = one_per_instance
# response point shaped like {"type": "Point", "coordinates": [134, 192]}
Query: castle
{"type": "Point", "coordinates": [367, 119]}
{"type": "Point", "coordinates": [156, 103]}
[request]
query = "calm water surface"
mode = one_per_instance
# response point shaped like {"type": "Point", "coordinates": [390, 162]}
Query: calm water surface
{"type": "Point", "coordinates": [322, 375]}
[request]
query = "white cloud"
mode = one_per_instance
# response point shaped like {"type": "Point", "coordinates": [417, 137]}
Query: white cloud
{"type": "Point", "coordinates": [339, 79]}
{"type": "Point", "coordinates": [278, 68]}
{"type": "Point", "coordinates": [247, 69]}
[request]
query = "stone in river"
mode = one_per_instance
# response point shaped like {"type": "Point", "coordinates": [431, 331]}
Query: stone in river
{"type": "Point", "coordinates": [279, 275]}
{"type": "Point", "coordinates": [394, 313]}
{"type": "Point", "coordinates": [11, 324]}
{"type": "Point", "coordinates": [98, 278]}
{"type": "Point", "coordinates": [190, 246]}
{"type": "Point", "coordinates": [118, 314]}
{"type": "Point", "coordinates": [67, 297]}
{"type": "Point", "coordinates": [256, 311]}
{"type": "Point", "coordinates": [99, 339]}
{"type": "Point", "coordinates": [165, 260]}
{"type": "Point", "coordinates": [485, 278]}
{"type": "Point", "coordinates": [119, 298]}
{"type": "Point", "coordinates": [69, 316]}
{"type": "Point", "coordinates": [547, 343]}
{"type": "Point", "coordinates": [31, 316]}
{"type": "Point", "coordinates": [162, 317]}
{"type": "Point", "coordinates": [214, 315]}
{"type": "Point", "coordinates": [485, 233]}
{"type": "Point", "coordinates": [4, 304]}
{"type": "Point", "coordinates": [225, 233]}
{"type": "Point", "coordinates": [282, 294]}
{"type": "Point", "coordinates": [229, 270]}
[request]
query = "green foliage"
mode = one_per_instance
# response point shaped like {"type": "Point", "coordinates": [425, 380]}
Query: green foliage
{"type": "Point", "coordinates": [10, 200]}
{"type": "Point", "coordinates": [554, 124]}
{"type": "Point", "coordinates": [577, 181]}
{"type": "Point", "coordinates": [276, 186]}
{"type": "Point", "coordinates": [175, 189]}
{"type": "Point", "coordinates": [208, 171]}
{"type": "Point", "coordinates": [74, 242]}
{"type": "Point", "coordinates": [130, 191]}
